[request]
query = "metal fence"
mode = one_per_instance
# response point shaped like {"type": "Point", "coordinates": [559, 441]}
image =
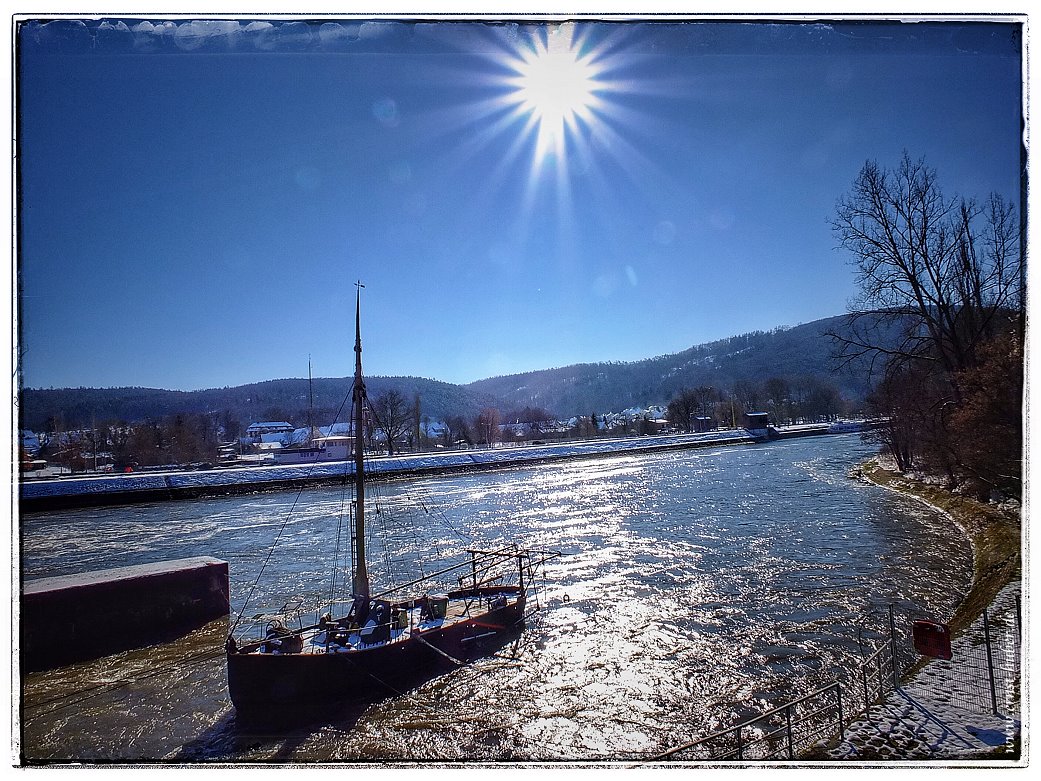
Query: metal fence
{"type": "Point", "coordinates": [781, 733]}
{"type": "Point", "coordinates": [983, 676]}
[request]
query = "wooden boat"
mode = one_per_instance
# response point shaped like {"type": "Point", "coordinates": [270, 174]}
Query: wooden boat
{"type": "Point", "coordinates": [384, 642]}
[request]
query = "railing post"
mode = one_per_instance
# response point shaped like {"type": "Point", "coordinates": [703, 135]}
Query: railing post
{"type": "Point", "coordinates": [876, 691]}
{"type": "Point", "coordinates": [838, 700]}
{"type": "Point", "coordinates": [990, 663]}
{"type": "Point", "coordinates": [788, 721]}
{"type": "Point", "coordinates": [892, 646]}
{"type": "Point", "coordinates": [863, 669]}
{"type": "Point", "coordinates": [740, 746]}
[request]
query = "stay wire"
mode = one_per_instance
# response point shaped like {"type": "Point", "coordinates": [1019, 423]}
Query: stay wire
{"type": "Point", "coordinates": [282, 528]}
{"type": "Point", "coordinates": [439, 515]}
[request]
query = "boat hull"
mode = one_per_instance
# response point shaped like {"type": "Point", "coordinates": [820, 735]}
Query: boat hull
{"type": "Point", "coordinates": [281, 688]}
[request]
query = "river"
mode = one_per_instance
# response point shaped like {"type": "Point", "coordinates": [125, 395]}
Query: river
{"type": "Point", "coordinates": [696, 588]}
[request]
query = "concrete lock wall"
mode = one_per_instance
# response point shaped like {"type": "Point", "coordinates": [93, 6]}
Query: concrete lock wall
{"type": "Point", "coordinates": [79, 617]}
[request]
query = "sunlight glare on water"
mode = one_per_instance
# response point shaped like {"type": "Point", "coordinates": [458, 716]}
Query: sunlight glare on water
{"type": "Point", "coordinates": [696, 588]}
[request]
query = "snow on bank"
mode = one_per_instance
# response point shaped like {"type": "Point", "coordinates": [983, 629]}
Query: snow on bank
{"type": "Point", "coordinates": [272, 474]}
{"type": "Point", "coordinates": [945, 712]}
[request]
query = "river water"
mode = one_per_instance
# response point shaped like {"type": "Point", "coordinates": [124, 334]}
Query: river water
{"type": "Point", "coordinates": [696, 588]}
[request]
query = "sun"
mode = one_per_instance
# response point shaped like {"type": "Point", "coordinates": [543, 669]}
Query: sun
{"type": "Point", "coordinates": [556, 87]}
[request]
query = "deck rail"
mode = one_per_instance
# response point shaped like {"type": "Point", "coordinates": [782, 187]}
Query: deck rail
{"type": "Point", "coordinates": [482, 569]}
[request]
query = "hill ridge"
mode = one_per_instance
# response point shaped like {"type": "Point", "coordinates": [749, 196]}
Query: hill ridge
{"type": "Point", "coordinates": [786, 351]}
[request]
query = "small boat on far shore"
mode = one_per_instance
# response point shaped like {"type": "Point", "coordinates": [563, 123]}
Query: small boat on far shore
{"type": "Point", "coordinates": [319, 449]}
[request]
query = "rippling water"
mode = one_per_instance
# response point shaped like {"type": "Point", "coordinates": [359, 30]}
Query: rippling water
{"type": "Point", "coordinates": [697, 588]}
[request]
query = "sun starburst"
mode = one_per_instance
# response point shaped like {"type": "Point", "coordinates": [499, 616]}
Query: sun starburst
{"type": "Point", "coordinates": [555, 86]}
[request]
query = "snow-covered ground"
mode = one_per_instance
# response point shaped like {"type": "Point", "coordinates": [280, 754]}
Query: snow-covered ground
{"type": "Point", "coordinates": [258, 475]}
{"type": "Point", "coordinates": [945, 712]}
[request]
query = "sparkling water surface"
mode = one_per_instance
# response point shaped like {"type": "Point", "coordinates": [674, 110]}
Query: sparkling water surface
{"type": "Point", "coordinates": [696, 588]}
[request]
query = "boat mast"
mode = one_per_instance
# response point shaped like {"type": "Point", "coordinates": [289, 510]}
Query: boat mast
{"type": "Point", "coordinates": [310, 404]}
{"type": "Point", "coordinates": [361, 576]}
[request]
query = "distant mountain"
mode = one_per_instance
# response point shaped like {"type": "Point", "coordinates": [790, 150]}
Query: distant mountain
{"type": "Point", "coordinates": [286, 399]}
{"type": "Point", "coordinates": [582, 389]}
{"type": "Point", "coordinates": [803, 350]}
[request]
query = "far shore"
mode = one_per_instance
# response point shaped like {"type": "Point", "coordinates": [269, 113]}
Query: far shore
{"type": "Point", "coordinates": [152, 486]}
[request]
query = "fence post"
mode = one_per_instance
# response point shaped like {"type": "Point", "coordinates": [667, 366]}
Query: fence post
{"type": "Point", "coordinates": [892, 646]}
{"type": "Point", "coordinates": [863, 670]}
{"type": "Point", "coordinates": [990, 664]}
{"type": "Point", "coordinates": [788, 722]}
{"type": "Point", "coordinates": [740, 746]}
{"type": "Point", "coordinates": [838, 700]}
{"type": "Point", "coordinates": [863, 679]}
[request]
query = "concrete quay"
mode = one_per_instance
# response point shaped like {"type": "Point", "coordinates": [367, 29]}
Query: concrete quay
{"type": "Point", "coordinates": [74, 618]}
{"type": "Point", "coordinates": [99, 490]}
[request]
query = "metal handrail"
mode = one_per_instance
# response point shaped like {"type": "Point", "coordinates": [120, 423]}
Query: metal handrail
{"type": "Point", "coordinates": [742, 744]}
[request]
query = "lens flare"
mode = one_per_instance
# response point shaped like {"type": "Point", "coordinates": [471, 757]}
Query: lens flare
{"type": "Point", "coordinates": [555, 87]}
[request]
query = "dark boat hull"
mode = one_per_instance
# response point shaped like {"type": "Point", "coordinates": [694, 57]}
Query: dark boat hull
{"type": "Point", "coordinates": [281, 688]}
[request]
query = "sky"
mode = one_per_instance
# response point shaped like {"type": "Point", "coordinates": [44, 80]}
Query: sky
{"type": "Point", "coordinates": [197, 198]}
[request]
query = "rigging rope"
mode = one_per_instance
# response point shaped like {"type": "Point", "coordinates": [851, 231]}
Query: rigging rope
{"type": "Point", "coordinates": [282, 528]}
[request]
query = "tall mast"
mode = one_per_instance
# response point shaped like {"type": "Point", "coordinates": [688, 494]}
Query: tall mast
{"type": "Point", "coordinates": [361, 575]}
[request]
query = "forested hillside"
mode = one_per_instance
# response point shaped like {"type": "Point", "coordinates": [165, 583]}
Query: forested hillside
{"type": "Point", "coordinates": [803, 351]}
{"type": "Point", "coordinates": [790, 353]}
{"type": "Point", "coordinates": [286, 399]}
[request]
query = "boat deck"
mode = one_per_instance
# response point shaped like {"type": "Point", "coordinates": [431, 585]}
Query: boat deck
{"type": "Point", "coordinates": [411, 622]}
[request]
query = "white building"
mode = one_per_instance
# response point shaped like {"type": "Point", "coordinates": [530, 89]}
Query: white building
{"type": "Point", "coordinates": [256, 431]}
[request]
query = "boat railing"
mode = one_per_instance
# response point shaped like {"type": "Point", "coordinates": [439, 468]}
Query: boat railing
{"type": "Point", "coordinates": [481, 565]}
{"type": "Point", "coordinates": [535, 565]}
{"type": "Point", "coordinates": [485, 569]}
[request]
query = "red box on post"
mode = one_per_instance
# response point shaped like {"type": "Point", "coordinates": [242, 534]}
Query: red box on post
{"type": "Point", "coordinates": [931, 639]}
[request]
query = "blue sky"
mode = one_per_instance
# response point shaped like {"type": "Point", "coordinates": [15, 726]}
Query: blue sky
{"type": "Point", "coordinates": [197, 198]}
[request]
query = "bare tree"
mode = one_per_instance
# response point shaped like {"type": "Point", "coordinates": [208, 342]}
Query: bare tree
{"type": "Point", "coordinates": [748, 395]}
{"type": "Point", "coordinates": [416, 431]}
{"type": "Point", "coordinates": [393, 416]}
{"type": "Point", "coordinates": [923, 260]}
{"type": "Point", "coordinates": [948, 272]}
{"type": "Point", "coordinates": [683, 408]}
{"type": "Point", "coordinates": [487, 425]}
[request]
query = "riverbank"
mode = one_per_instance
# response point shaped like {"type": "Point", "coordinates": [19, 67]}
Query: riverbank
{"type": "Point", "coordinates": [98, 490]}
{"type": "Point", "coordinates": [115, 489]}
{"type": "Point", "coordinates": [922, 719]}
{"type": "Point", "coordinates": [941, 711]}
{"type": "Point", "coordinates": [993, 532]}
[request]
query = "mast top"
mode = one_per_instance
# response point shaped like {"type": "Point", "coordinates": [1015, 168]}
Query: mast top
{"type": "Point", "coordinates": [357, 332]}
